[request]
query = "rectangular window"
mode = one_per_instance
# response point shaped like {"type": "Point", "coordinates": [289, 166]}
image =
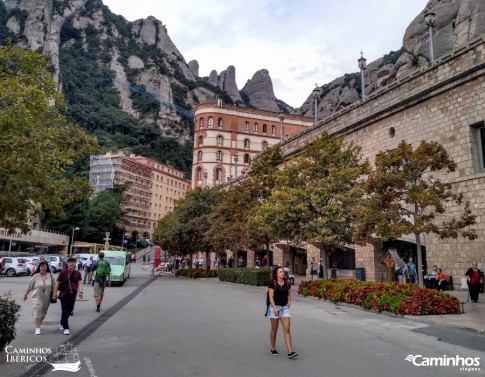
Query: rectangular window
{"type": "Point", "coordinates": [481, 146]}
{"type": "Point", "coordinates": [478, 145]}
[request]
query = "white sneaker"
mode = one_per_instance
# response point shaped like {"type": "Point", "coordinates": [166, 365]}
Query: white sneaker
{"type": "Point", "coordinates": [66, 331]}
{"type": "Point", "coordinates": [37, 331]}
{"type": "Point", "coordinates": [61, 327]}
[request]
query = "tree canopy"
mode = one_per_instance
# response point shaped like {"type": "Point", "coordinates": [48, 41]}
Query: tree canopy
{"type": "Point", "coordinates": [37, 141]}
{"type": "Point", "coordinates": [406, 196]}
{"type": "Point", "coordinates": [315, 193]}
{"type": "Point", "coordinates": [232, 223]}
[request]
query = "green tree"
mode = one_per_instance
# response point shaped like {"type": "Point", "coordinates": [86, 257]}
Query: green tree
{"type": "Point", "coordinates": [37, 142]}
{"type": "Point", "coordinates": [188, 222]}
{"type": "Point", "coordinates": [316, 192]}
{"type": "Point", "coordinates": [232, 223]}
{"type": "Point", "coordinates": [406, 197]}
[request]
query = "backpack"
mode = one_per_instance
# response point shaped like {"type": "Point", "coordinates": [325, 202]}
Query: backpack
{"type": "Point", "coordinates": [102, 269]}
{"type": "Point", "coordinates": [287, 283]}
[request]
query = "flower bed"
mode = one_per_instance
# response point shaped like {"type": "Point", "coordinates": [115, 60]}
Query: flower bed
{"type": "Point", "coordinates": [390, 297]}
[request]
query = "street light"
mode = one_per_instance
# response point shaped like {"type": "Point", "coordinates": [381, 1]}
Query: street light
{"type": "Point", "coordinates": [316, 96]}
{"type": "Point", "coordinates": [123, 240]}
{"type": "Point", "coordinates": [72, 240]}
{"type": "Point", "coordinates": [430, 19]}
{"type": "Point", "coordinates": [282, 118]}
{"type": "Point", "coordinates": [362, 66]}
{"type": "Point", "coordinates": [205, 179]}
{"type": "Point", "coordinates": [236, 159]}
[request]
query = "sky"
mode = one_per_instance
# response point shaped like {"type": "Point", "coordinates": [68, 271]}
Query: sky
{"type": "Point", "coordinates": [300, 42]}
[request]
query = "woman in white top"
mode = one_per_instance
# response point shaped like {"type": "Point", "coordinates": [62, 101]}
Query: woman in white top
{"type": "Point", "coordinates": [41, 286]}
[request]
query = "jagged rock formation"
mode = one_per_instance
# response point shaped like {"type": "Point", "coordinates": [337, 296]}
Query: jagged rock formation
{"type": "Point", "coordinates": [457, 23]}
{"type": "Point", "coordinates": [259, 91]}
{"type": "Point", "coordinates": [226, 81]}
{"type": "Point", "coordinates": [194, 67]}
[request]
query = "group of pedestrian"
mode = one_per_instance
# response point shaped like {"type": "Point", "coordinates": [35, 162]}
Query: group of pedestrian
{"type": "Point", "coordinates": [406, 272]}
{"type": "Point", "coordinates": [66, 288]}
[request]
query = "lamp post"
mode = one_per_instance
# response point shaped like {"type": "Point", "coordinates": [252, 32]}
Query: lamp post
{"type": "Point", "coordinates": [430, 19]}
{"type": "Point", "coordinates": [316, 96]}
{"type": "Point", "coordinates": [205, 179]}
{"type": "Point", "coordinates": [72, 240]}
{"type": "Point", "coordinates": [123, 240]}
{"type": "Point", "coordinates": [236, 159]}
{"type": "Point", "coordinates": [362, 66]}
{"type": "Point", "coordinates": [282, 118]}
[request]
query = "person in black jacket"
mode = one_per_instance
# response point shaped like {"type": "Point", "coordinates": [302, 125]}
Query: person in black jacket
{"type": "Point", "coordinates": [475, 281]}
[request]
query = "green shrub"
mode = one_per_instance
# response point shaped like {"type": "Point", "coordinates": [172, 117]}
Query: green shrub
{"type": "Point", "coordinates": [9, 315]}
{"type": "Point", "coordinates": [247, 276]}
{"type": "Point", "coordinates": [196, 273]}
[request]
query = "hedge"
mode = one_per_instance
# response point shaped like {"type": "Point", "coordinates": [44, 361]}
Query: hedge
{"type": "Point", "coordinates": [247, 276]}
{"type": "Point", "coordinates": [9, 315]}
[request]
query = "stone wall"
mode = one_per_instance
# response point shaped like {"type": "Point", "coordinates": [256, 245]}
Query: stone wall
{"type": "Point", "coordinates": [440, 103]}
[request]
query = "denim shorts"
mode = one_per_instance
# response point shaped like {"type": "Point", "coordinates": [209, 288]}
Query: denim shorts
{"type": "Point", "coordinates": [284, 312]}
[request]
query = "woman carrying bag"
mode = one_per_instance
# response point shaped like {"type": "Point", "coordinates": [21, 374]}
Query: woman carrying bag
{"type": "Point", "coordinates": [41, 285]}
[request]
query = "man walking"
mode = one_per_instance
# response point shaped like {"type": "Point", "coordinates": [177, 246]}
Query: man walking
{"type": "Point", "coordinates": [102, 269]}
{"type": "Point", "coordinates": [88, 263]}
{"type": "Point", "coordinates": [69, 283]}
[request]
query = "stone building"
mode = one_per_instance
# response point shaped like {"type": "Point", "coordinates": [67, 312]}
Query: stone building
{"type": "Point", "coordinates": [443, 103]}
{"type": "Point", "coordinates": [227, 137]}
{"type": "Point", "coordinates": [153, 191]}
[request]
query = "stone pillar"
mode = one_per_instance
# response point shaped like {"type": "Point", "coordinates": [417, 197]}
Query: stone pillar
{"type": "Point", "coordinates": [278, 251]}
{"type": "Point", "coordinates": [249, 258]}
{"type": "Point", "coordinates": [370, 257]}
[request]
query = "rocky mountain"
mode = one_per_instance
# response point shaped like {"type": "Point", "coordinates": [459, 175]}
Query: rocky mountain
{"type": "Point", "coordinates": [457, 23]}
{"type": "Point", "coordinates": [129, 84]}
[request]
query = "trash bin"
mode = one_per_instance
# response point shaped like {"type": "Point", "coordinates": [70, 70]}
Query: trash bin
{"type": "Point", "coordinates": [360, 274]}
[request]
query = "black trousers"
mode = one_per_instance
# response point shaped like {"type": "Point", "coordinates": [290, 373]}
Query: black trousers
{"type": "Point", "coordinates": [474, 290]}
{"type": "Point", "coordinates": [67, 306]}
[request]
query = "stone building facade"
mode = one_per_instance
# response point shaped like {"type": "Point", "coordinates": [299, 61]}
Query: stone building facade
{"type": "Point", "coordinates": [443, 103]}
{"type": "Point", "coordinates": [153, 191]}
{"type": "Point", "coordinates": [227, 137]}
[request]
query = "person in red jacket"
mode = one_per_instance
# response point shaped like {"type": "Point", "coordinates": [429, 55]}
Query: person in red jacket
{"type": "Point", "coordinates": [475, 281]}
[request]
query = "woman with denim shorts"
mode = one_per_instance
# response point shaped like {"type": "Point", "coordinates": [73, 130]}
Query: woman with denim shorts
{"type": "Point", "coordinates": [279, 310]}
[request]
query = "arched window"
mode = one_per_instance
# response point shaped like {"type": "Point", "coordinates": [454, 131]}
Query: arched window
{"type": "Point", "coordinates": [246, 143]}
{"type": "Point", "coordinates": [199, 156]}
{"type": "Point", "coordinates": [219, 174]}
{"type": "Point", "coordinates": [199, 174]}
{"type": "Point", "coordinates": [265, 128]}
{"type": "Point", "coordinates": [201, 123]}
{"type": "Point", "coordinates": [219, 140]}
{"type": "Point", "coordinates": [219, 155]}
{"type": "Point", "coordinates": [246, 126]}
{"type": "Point", "coordinates": [219, 122]}
{"type": "Point", "coordinates": [265, 145]}
{"type": "Point", "coordinates": [246, 158]}
{"type": "Point", "coordinates": [255, 127]}
{"type": "Point", "coordinates": [210, 122]}
{"type": "Point", "coordinates": [201, 140]}
{"type": "Point", "coordinates": [273, 130]}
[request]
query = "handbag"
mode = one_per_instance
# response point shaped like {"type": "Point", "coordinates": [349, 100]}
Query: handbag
{"type": "Point", "coordinates": [51, 300]}
{"type": "Point", "coordinates": [63, 285]}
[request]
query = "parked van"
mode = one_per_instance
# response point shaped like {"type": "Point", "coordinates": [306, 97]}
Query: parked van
{"type": "Point", "coordinates": [120, 262]}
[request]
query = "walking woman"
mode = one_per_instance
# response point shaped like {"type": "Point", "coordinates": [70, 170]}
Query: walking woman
{"type": "Point", "coordinates": [41, 286]}
{"type": "Point", "coordinates": [474, 279]}
{"type": "Point", "coordinates": [279, 310]}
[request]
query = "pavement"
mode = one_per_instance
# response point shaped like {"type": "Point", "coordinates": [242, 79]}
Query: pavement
{"type": "Point", "coordinates": [472, 317]}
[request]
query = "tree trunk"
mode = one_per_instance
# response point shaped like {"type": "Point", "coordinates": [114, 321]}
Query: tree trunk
{"type": "Point", "coordinates": [419, 266]}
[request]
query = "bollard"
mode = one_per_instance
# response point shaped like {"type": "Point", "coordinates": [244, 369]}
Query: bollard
{"type": "Point", "coordinates": [462, 307]}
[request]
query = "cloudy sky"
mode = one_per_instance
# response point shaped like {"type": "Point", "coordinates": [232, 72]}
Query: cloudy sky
{"type": "Point", "coordinates": [300, 42]}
